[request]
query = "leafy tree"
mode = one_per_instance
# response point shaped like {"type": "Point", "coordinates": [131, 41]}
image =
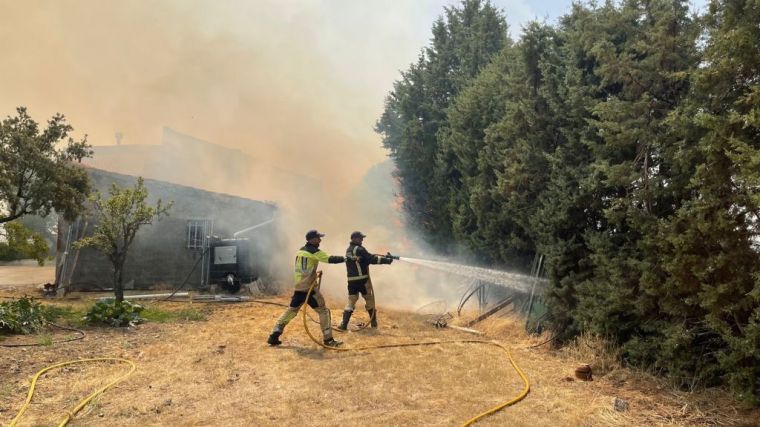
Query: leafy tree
{"type": "Point", "coordinates": [462, 160]}
{"type": "Point", "coordinates": [524, 138]}
{"type": "Point", "coordinates": [118, 220]}
{"type": "Point", "coordinates": [464, 41]}
{"type": "Point", "coordinates": [493, 150]}
{"type": "Point", "coordinates": [21, 243]}
{"type": "Point", "coordinates": [624, 144]}
{"type": "Point", "coordinates": [645, 53]}
{"type": "Point", "coordinates": [36, 176]}
{"type": "Point", "coordinates": [709, 250]}
{"type": "Point", "coordinates": [569, 205]}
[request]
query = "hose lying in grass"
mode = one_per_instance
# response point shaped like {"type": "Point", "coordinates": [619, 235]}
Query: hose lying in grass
{"type": "Point", "coordinates": [524, 392]}
{"type": "Point", "coordinates": [86, 400]}
{"type": "Point", "coordinates": [79, 337]}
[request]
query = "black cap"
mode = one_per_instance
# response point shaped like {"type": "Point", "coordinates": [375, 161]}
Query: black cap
{"type": "Point", "coordinates": [356, 234]}
{"type": "Point", "coordinates": [312, 234]}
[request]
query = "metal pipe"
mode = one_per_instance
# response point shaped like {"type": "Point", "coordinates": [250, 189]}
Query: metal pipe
{"type": "Point", "coordinates": [64, 259]}
{"type": "Point", "coordinates": [235, 234]}
{"type": "Point", "coordinates": [468, 330]}
{"type": "Point", "coordinates": [536, 274]}
{"type": "Point", "coordinates": [221, 298]}
{"type": "Point", "coordinates": [150, 296]}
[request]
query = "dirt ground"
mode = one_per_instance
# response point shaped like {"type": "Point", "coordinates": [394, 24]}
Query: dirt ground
{"type": "Point", "coordinates": [25, 276]}
{"type": "Point", "coordinates": [219, 371]}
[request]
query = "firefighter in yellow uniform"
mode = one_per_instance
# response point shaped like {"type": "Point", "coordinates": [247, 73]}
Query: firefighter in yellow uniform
{"type": "Point", "coordinates": [307, 261]}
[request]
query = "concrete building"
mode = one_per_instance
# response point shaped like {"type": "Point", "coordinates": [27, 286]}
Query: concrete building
{"type": "Point", "coordinates": [177, 250]}
{"type": "Point", "coordinates": [186, 160]}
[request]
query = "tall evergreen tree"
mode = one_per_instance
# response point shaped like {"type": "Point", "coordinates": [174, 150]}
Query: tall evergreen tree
{"type": "Point", "coordinates": [526, 136]}
{"type": "Point", "coordinates": [463, 42]}
{"type": "Point", "coordinates": [621, 146]}
{"type": "Point", "coordinates": [570, 205]}
{"type": "Point", "coordinates": [642, 53]}
{"type": "Point", "coordinates": [710, 249]}
{"type": "Point", "coordinates": [462, 161]}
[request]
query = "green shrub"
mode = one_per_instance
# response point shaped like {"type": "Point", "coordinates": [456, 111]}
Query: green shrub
{"type": "Point", "coordinates": [23, 316]}
{"type": "Point", "coordinates": [113, 313]}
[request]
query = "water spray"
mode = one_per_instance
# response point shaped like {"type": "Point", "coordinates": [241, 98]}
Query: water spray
{"type": "Point", "coordinates": [515, 281]}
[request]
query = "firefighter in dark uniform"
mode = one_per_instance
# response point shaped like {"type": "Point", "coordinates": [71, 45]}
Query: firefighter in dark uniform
{"type": "Point", "coordinates": [359, 282]}
{"type": "Point", "coordinates": [307, 261]}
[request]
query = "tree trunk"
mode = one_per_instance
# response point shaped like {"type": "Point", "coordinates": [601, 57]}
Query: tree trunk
{"type": "Point", "coordinates": [118, 287]}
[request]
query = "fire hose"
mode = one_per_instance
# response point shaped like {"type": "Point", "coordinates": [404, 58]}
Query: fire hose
{"type": "Point", "coordinates": [78, 331]}
{"type": "Point", "coordinates": [520, 396]}
{"type": "Point", "coordinates": [86, 400]}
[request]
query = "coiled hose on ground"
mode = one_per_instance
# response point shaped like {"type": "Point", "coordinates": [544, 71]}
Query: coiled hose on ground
{"type": "Point", "coordinates": [87, 399]}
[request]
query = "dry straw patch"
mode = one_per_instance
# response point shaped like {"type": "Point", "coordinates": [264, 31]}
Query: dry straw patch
{"type": "Point", "coordinates": [596, 351]}
{"type": "Point", "coordinates": [220, 372]}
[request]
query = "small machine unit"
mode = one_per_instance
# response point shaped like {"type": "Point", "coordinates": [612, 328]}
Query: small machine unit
{"type": "Point", "coordinates": [230, 263]}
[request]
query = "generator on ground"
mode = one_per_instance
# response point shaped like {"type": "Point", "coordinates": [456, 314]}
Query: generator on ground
{"type": "Point", "coordinates": [231, 263]}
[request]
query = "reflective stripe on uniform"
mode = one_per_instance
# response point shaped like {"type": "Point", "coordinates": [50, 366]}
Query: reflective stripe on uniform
{"type": "Point", "coordinates": [307, 262]}
{"type": "Point", "coordinates": [358, 267]}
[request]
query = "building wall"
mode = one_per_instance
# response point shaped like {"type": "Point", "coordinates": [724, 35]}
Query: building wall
{"type": "Point", "coordinates": [159, 255]}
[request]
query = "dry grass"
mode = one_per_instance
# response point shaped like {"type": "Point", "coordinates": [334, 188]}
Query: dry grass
{"type": "Point", "coordinates": [599, 353]}
{"type": "Point", "coordinates": [220, 372]}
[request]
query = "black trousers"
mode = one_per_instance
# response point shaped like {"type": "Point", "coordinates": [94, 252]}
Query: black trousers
{"type": "Point", "coordinates": [299, 297]}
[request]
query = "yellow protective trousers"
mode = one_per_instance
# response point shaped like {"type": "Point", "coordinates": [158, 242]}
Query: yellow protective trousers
{"type": "Point", "coordinates": [317, 302]}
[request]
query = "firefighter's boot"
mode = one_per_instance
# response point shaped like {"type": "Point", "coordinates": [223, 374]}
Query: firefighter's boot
{"type": "Point", "coordinates": [372, 317]}
{"type": "Point", "coordinates": [332, 342]}
{"type": "Point", "coordinates": [274, 338]}
{"type": "Point", "coordinates": [346, 317]}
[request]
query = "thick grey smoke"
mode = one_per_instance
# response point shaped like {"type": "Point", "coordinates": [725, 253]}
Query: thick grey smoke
{"type": "Point", "coordinates": [295, 87]}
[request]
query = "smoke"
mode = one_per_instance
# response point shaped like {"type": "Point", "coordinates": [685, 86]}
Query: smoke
{"type": "Point", "coordinates": [296, 87]}
{"type": "Point", "coordinates": [293, 85]}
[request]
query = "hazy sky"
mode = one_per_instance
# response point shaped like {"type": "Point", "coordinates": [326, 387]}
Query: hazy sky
{"type": "Point", "coordinates": [298, 84]}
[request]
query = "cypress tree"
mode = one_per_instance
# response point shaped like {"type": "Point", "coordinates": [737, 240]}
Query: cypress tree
{"type": "Point", "coordinates": [463, 42]}
{"type": "Point", "coordinates": [570, 205]}
{"type": "Point", "coordinates": [710, 249]}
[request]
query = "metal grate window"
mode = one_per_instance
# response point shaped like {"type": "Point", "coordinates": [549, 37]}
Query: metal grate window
{"type": "Point", "coordinates": [197, 232]}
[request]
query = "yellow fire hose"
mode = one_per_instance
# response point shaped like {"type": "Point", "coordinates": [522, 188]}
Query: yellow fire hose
{"type": "Point", "coordinates": [360, 328]}
{"type": "Point", "coordinates": [472, 420]}
{"type": "Point", "coordinates": [86, 400]}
